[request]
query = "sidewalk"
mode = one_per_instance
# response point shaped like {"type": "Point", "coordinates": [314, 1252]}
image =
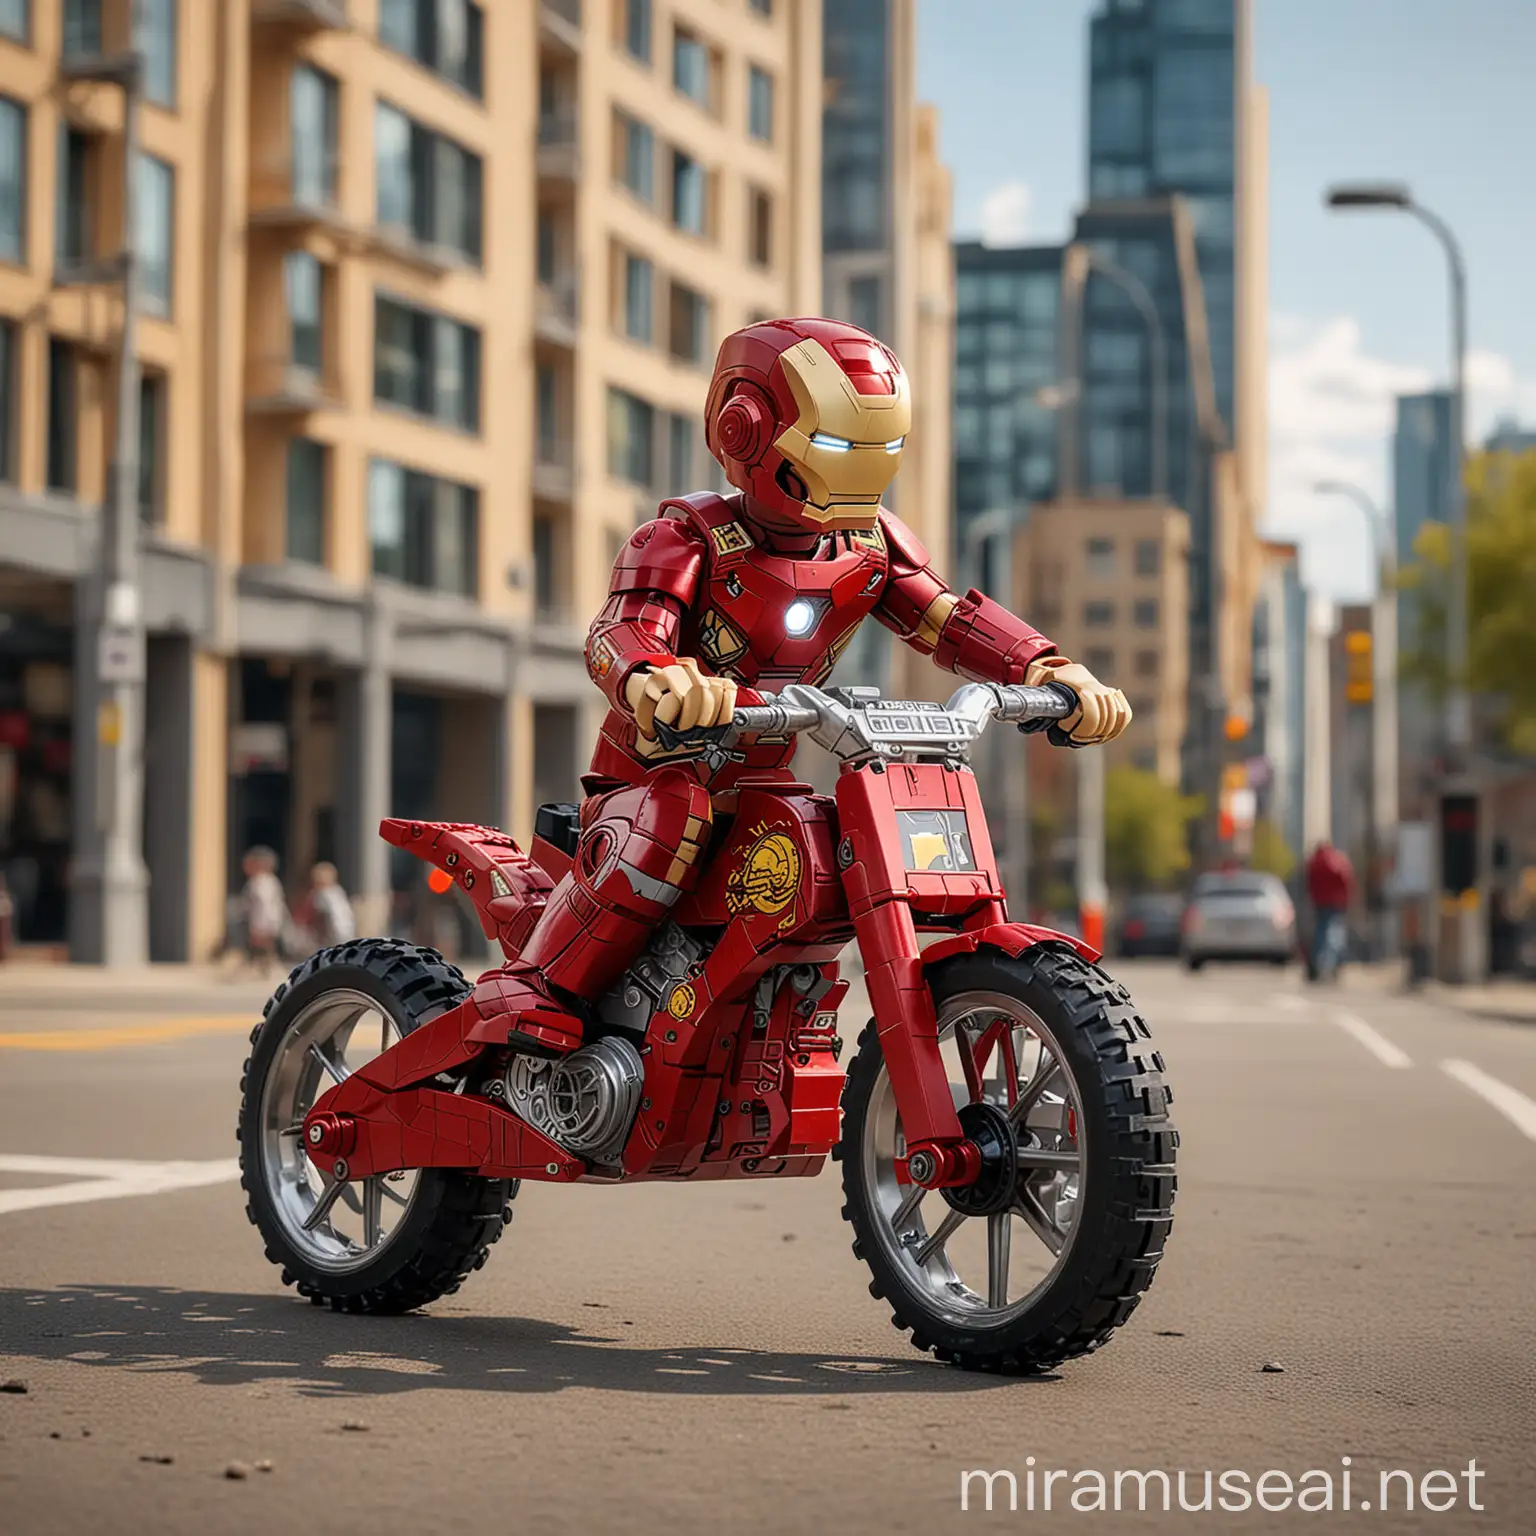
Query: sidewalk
{"type": "Point", "coordinates": [1506, 999]}
{"type": "Point", "coordinates": [32, 987]}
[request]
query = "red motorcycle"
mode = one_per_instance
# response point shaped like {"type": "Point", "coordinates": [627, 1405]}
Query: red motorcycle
{"type": "Point", "coordinates": [1003, 1128]}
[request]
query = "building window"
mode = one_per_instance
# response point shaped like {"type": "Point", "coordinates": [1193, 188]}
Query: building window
{"type": "Point", "coordinates": [13, 181]}
{"type": "Point", "coordinates": [546, 598]}
{"type": "Point", "coordinates": [63, 395]}
{"type": "Point", "coordinates": [7, 400]}
{"type": "Point", "coordinates": [73, 237]}
{"type": "Point", "coordinates": [688, 324]}
{"type": "Point", "coordinates": [679, 454]}
{"type": "Point", "coordinates": [155, 195]}
{"type": "Point", "coordinates": [304, 290]}
{"type": "Point", "coordinates": [762, 7]}
{"type": "Point", "coordinates": [637, 29]}
{"type": "Point", "coordinates": [760, 103]}
{"type": "Point", "coordinates": [547, 414]}
{"type": "Point", "coordinates": [864, 303]}
{"type": "Point", "coordinates": [82, 28]}
{"type": "Point", "coordinates": [152, 426]}
{"type": "Point", "coordinates": [426, 363]}
{"type": "Point", "coordinates": [631, 436]}
{"type": "Point", "coordinates": [312, 119]}
{"type": "Point", "coordinates": [448, 36]}
{"type": "Point", "coordinates": [424, 530]}
{"type": "Point", "coordinates": [688, 193]}
{"type": "Point", "coordinates": [690, 67]}
{"type": "Point", "coordinates": [428, 186]}
{"type": "Point", "coordinates": [1098, 615]}
{"type": "Point", "coordinates": [14, 19]}
{"type": "Point", "coordinates": [637, 158]}
{"type": "Point", "coordinates": [1101, 558]}
{"type": "Point", "coordinates": [1146, 613]}
{"type": "Point", "coordinates": [306, 501]}
{"type": "Point", "coordinates": [154, 35]}
{"type": "Point", "coordinates": [1146, 663]}
{"type": "Point", "coordinates": [1100, 660]}
{"type": "Point", "coordinates": [639, 288]}
{"type": "Point", "coordinates": [760, 227]}
{"type": "Point", "coordinates": [1149, 557]}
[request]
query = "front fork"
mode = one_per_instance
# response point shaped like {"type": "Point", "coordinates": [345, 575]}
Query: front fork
{"type": "Point", "coordinates": [938, 1152]}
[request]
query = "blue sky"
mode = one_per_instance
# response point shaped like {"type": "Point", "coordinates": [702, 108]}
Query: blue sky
{"type": "Point", "coordinates": [1437, 93]}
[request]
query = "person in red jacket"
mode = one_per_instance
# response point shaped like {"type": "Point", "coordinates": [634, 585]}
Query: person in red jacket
{"type": "Point", "coordinates": [725, 594]}
{"type": "Point", "coordinates": [1330, 880]}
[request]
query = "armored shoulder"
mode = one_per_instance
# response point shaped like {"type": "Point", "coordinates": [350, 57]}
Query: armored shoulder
{"type": "Point", "coordinates": [666, 555]}
{"type": "Point", "coordinates": [906, 549]}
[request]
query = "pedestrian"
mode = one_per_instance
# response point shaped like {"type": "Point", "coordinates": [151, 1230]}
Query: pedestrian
{"type": "Point", "coordinates": [325, 914]}
{"type": "Point", "coordinates": [1330, 881]}
{"type": "Point", "coordinates": [263, 909]}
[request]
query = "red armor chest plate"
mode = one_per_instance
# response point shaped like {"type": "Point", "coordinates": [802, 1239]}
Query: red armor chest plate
{"type": "Point", "coordinates": [767, 619]}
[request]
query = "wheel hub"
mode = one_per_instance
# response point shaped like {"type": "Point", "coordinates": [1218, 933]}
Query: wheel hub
{"type": "Point", "coordinates": [991, 1131]}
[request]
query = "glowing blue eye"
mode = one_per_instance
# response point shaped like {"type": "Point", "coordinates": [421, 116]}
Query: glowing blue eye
{"type": "Point", "coordinates": [894, 446]}
{"type": "Point", "coordinates": [830, 443]}
{"type": "Point", "coordinates": [799, 617]}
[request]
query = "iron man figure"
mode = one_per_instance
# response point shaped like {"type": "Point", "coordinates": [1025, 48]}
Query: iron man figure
{"type": "Point", "coordinates": [722, 594]}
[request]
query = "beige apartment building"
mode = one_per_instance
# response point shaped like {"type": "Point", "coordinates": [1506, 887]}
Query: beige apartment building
{"type": "Point", "coordinates": [432, 291]}
{"type": "Point", "coordinates": [1108, 581]}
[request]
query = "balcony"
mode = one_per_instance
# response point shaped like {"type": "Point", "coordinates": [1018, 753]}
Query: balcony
{"type": "Point", "coordinates": [554, 470]}
{"type": "Point", "coordinates": [276, 385]}
{"type": "Point", "coordinates": [560, 26]}
{"type": "Point", "coordinates": [300, 16]}
{"type": "Point", "coordinates": [559, 148]}
{"type": "Point", "coordinates": [558, 311]}
{"type": "Point", "coordinates": [297, 192]}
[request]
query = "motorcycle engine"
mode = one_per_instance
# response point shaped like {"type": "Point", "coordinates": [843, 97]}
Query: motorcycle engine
{"type": "Point", "coordinates": [586, 1101]}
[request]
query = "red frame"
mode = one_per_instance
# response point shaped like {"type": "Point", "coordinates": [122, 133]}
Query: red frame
{"type": "Point", "coordinates": [731, 1091]}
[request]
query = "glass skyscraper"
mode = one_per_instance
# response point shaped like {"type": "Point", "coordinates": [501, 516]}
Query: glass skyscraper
{"type": "Point", "coordinates": [1422, 466]}
{"type": "Point", "coordinates": [1163, 118]}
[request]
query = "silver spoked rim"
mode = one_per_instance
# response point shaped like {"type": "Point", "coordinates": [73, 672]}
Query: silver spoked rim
{"type": "Point", "coordinates": [985, 1271]}
{"type": "Point", "coordinates": [337, 1225]}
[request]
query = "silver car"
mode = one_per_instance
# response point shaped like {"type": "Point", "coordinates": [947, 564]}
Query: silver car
{"type": "Point", "coordinates": [1238, 915]}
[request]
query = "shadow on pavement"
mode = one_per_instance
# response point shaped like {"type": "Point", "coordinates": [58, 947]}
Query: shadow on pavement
{"type": "Point", "coordinates": [243, 1340]}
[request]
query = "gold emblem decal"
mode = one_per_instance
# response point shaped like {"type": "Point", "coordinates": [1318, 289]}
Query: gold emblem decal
{"type": "Point", "coordinates": [680, 1004]}
{"type": "Point", "coordinates": [730, 538]}
{"type": "Point", "coordinates": [767, 878]}
{"type": "Point", "coordinates": [720, 640]}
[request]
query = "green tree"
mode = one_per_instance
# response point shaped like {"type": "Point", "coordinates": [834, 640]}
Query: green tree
{"type": "Point", "coordinates": [1146, 829]}
{"type": "Point", "coordinates": [1271, 852]}
{"type": "Point", "coordinates": [1501, 571]}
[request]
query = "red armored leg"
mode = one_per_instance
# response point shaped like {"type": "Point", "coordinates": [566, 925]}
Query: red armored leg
{"type": "Point", "coordinates": [639, 853]}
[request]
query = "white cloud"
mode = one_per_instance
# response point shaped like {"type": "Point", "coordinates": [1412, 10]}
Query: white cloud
{"type": "Point", "coordinates": [1005, 214]}
{"type": "Point", "coordinates": [1332, 408]}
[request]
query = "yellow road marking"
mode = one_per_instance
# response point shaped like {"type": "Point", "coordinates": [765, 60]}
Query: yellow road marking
{"type": "Point", "coordinates": [108, 1037]}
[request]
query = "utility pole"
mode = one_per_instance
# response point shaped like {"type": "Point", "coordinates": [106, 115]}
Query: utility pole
{"type": "Point", "coordinates": [110, 884]}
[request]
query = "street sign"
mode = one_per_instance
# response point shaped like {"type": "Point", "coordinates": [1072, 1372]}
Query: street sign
{"type": "Point", "coordinates": [120, 656]}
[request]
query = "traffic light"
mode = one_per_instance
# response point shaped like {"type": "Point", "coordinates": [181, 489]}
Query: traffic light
{"type": "Point", "coordinates": [1358, 671]}
{"type": "Point", "coordinates": [1458, 844]}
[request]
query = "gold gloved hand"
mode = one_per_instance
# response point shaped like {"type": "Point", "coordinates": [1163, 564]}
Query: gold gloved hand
{"type": "Point", "coordinates": [679, 695]}
{"type": "Point", "coordinates": [1102, 712]}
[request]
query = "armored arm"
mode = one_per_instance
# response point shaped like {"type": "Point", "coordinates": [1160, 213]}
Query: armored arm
{"type": "Point", "coordinates": [971, 635]}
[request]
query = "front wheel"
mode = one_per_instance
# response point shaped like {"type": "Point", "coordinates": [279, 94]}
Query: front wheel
{"type": "Point", "coordinates": [1054, 1046]}
{"type": "Point", "coordinates": [389, 1243]}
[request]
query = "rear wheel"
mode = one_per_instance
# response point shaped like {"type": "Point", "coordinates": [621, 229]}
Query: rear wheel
{"type": "Point", "coordinates": [383, 1244]}
{"type": "Point", "coordinates": [1051, 1046]}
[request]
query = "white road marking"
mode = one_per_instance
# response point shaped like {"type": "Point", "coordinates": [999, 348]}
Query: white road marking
{"type": "Point", "coordinates": [101, 1179]}
{"type": "Point", "coordinates": [1376, 1043]}
{"type": "Point", "coordinates": [1509, 1102]}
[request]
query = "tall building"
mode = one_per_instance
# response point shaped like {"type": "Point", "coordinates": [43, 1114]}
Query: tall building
{"type": "Point", "coordinates": [887, 264]}
{"type": "Point", "coordinates": [1007, 362]}
{"type": "Point", "coordinates": [1508, 436]}
{"type": "Point", "coordinates": [432, 290]}
{"type": "Point", "coordinates": [1174, 113]}
{"type": "Point", "coordinates": [1279, 689]}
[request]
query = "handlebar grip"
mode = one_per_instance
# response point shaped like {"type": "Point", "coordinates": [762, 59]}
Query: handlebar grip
{"type": "Point", "coordinates": [1050, 701]}
{"type": "Point", "coordinates": [771, 718]}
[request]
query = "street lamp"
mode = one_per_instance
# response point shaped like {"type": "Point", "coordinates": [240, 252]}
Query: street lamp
{"type": "Point", "coordinates": [1384, 763]}
{"type": "Point", "coordinates": [1396, 196]}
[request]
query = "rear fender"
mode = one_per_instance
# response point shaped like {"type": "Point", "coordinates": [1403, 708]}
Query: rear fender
{"type": "Point", "coordinates": [507, 887]}
{"type": "Point", "coordinates": [1011, 938]}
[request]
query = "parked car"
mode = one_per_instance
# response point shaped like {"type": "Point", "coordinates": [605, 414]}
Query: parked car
{"type": "Point", "coordinates": [1149, 925]}
{"type": "Point", "coordinates": [1238, 915]}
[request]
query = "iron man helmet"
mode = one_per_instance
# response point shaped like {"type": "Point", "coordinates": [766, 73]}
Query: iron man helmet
{"type": "Point", "coordinates": [808, 417]}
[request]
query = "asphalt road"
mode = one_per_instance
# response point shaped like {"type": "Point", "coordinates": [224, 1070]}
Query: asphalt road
{"type": "Point", "coordinates": [707, 1359]}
